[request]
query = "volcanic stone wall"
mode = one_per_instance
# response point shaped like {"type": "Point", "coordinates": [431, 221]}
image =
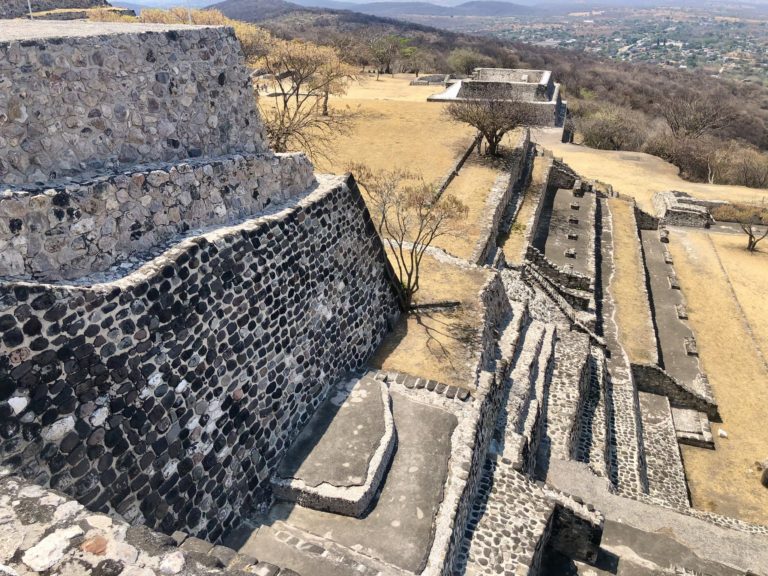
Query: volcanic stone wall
{"type": "Point", "coordinates": [169, 396]}
{"type": "Point", "coordinates": [20, 9]}
{"type": "Point", "coordinates": [92, 103]}
{"type": "Point", "coordinates": [72, 230]}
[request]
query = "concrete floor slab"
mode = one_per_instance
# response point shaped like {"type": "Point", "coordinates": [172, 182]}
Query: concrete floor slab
{"type": "Point", "coordinates": [399, 528]}
{"type": "Point", "coordinates": [341, 438]}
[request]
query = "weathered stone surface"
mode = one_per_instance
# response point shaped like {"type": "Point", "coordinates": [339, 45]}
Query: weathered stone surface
{"type": "Point", "coordinates": [99, 102]}
{"type": "Point", "coordinates": [279, 308]}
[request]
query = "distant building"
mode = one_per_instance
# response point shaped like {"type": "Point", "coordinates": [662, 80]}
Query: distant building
{"type": "Point", "coordinates": [535, 87]}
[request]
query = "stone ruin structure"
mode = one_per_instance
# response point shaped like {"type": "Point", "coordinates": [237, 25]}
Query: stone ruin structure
{"type": "Point", "coordinates": [536, 88]}
{"type": "Point", "coordinates": [185, 324]}
{"type": "Point", "coordinates": [681, 209]}
{"type": "Point", "coordinates": [20, 8]}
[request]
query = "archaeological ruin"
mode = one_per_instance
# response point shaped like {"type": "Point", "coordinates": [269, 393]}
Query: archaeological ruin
{"type": "Point", "coordinates": [186, 325]}
{"type": "Point", "coordinates": [537, 89]}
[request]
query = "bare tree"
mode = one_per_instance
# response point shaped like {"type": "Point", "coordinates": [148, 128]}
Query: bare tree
{"type": "Point", "coordinates": [296, 115]}
{"type": "Point", "coordinates": [693, 117]}
{"type": "Point", "coordinates": [464, 60]}
{"type": "Point", "coordinates": [750, 218]}
{"type": "Point", "coordinates": [408, 217]}
{"type": "Point", "coordinates": [753, 233]}
{"type": "Point", "coordinates": [493, 112]}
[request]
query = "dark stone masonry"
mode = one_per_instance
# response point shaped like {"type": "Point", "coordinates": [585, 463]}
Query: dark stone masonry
{"type": "Point", "coordinates": [98, 101]}
{"type": "Point", "coordinates": [171, 394]}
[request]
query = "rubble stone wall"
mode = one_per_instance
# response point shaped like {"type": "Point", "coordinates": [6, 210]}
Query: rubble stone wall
{"type": "Point", "coordinates": [653, 379]}
{"type": "Point", "coordinates": [170, 395]}
{"type": "Point", "coordinates": [20, 9]}
{"type": "Point", "coordinates": [512, 180]}
{"type": "Point", "coordinates": [96, 103]}
{"type": "Point", "coordinates": [70, 231]}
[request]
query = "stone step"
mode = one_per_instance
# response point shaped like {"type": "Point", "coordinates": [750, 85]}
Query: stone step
{"type": "Point", "coordinates": [339, 459]}
{"type": "Point", "coordinates": [666, 477]}
{"type": "Point", "coordinates": [308, 554]}
{"type": "Point", "coordinates": [508, 526]}
{"type": "Point", "coordinates": [568, 393]}
{"type": "Point", "coordinates": [592, 445]}
{"type": "Point", "coordinates": [693, 428]}
{"type": "Point", "coordinates": [528, 387]}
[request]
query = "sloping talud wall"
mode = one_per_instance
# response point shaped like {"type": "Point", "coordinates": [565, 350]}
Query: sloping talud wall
{"type": "Point", "coordinates": [170, 395]}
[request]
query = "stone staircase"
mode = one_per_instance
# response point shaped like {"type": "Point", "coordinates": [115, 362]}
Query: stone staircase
{"type": "Point", "coordinates": [594, 446]}
{"type": "Point", "coordinates": [508, 526]}
{"type": "Point", "coordinates": [568, 392]}
{"type": "Point", "coordinates": [519, 425]}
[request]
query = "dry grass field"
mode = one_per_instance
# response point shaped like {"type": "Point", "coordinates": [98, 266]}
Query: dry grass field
{"type": "Point", "coordinates": [637, 174]}
{"type": "Point", "coordinates": [471, 186]}
{"type": "Point", "coordinates": [398, 128]}
{"type": "Point", "coordinates": [632, 308]}
{"type": "Point", "coordinates": [438, 344]}
{"type": "Point", "coordinates": [726, 290]}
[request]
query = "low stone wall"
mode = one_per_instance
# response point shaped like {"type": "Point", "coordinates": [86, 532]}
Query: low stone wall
{"type": "Point", "coordinates": [651, 378]}
{"type": "Point", "coordinates": [69, 231]}
{"type": "Point", "coordinates": [170, 395]}
{"type": "Point", "coordinates": [512, 180]}
{"type": "Point", "coordinates": [93, 103]}
{"type": "Point", "coordinates": [577, 529]}
{"type": "Point", "coordinates": [644, 220]}
{"type": "Point", "coordinates": [458, 165]}
{"type": "Point", "coordinates": [680, 209]}
{"type": "Point", "coordinates": [565, 278]}
{"type": "Point", "coordinates": [20, 8]}
{"type": "Point", "coordinates": [470, 455]}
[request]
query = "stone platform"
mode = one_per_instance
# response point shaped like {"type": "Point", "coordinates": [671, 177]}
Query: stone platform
{"type": "Point", "coordinates": [339, 459]}
{"type": "Point", "coordinates": [399, 529]}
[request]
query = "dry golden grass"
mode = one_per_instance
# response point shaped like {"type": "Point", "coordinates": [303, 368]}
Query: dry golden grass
{"type": "Point", "coordinates": [388, 134]}
{"type": "Point", "coordinates": [387, 87]}
{"type": "Point", "coordinates": [637, 174]}
{"type": "Point", "coordinates": [632, 308]}
{"type": "Point", "coordinates": [514, 244]}
{"type": "Point", "coordinates": [724, 480]}
{"type": "Point", "coordinates": [472, 186]}
{"type": "Point", "coordinates": [438, 344]}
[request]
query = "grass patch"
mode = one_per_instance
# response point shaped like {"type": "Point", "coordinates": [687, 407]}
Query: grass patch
{"type": "Point", "coordinates": [724, 480]}
{"type": "Point", "coordinates": [639, 175]}
{"type": "Point", "coordinates": [438, 344]}
{"type": "Point", "coordinates": [633, 314]}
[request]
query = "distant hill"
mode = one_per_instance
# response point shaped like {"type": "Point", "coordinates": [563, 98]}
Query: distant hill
{"type": "Point", "coordinates": [257, 10]}
{"type": "Point", "coordinates": [396, 8]}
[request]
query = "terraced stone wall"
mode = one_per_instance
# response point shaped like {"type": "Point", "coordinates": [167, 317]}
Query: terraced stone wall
{"type": "Point", "coordinates": [170, 395]}
{"type": "Point", "coordinates": [512, 181]}
{"type": "Point", "coordinates": [68, 231]}
{"type": "Point", "coordinates": [20, 9]}
{"type": "Point", "coordinates": [93, 103]}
